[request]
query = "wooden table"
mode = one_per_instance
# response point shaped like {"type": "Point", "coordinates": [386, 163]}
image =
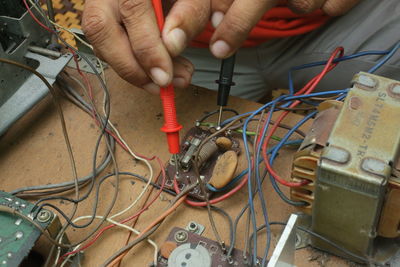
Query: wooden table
{"type": "Point", "coordinates": [33, 152]}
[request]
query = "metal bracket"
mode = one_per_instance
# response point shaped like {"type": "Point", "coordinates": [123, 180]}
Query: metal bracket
{"type": "Point", "coordinates": [195, 227]}
{"type": "Point", "coordinates": [32, 90]}
{"type": "Point", "coordinates": [88, 53]}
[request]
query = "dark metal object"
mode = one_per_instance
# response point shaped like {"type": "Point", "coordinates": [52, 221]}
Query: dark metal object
{"type": "Point", "coordinates": [19, 89]}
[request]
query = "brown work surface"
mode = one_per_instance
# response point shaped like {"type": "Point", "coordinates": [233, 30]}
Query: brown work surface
{"type": "Point", "coordinates": [33, 152]}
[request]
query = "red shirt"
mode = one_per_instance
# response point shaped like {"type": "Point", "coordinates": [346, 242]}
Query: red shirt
{"type": "Point", "coordinates": [278, 22]}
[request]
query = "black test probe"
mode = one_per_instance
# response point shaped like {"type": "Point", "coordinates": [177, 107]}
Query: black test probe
{"type": "Point", "coordinates": [224, 84]}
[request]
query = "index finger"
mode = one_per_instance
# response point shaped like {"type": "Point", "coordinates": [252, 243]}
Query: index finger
{"type": "Point", "coordinates": [240, 19]}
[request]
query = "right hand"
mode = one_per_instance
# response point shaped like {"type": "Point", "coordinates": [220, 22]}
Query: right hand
{"type": "Point", "coordinates": [125, 34]}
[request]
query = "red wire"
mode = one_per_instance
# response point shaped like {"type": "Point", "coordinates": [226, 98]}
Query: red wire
{"type": "Point", "coordinates": [310, 86]}
{"type": "Point", "coordinates": [215, 200]}
{"type": "Point", "coordinates": [36, 19]}
{"type": "Point", "coordinates": [95, 238]}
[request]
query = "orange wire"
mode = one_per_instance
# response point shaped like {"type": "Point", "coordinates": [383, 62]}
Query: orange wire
{"type": "Point", "coordinates": [156, 221]}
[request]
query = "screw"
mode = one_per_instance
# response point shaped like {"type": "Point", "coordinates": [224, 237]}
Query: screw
{"type": "Point", "coordinates": [44, 216]}
{"type": "Point", "coordinates": [336, 154]}
{"type": "Point", "coordinates": [181, 236]}
{"type": "Point", "coordinates": [193, 226]}
{"type": "Point", "coordinates": [367, 82]}
{"type": "Point", "coordinates": [394, 90]}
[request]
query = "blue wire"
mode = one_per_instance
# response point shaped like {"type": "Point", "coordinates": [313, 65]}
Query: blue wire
{"type": "Point", "coordinates": [344, 58]}
{"type": "Point", "coordinates": [229, 185]}
{"type": "Point", "coordinates": [260, 191]}
{"type": "Point", "coordinates": [250, 190]}
{"type": "Point", "coordinates": [385, 59]}
{"type": "Point", "coordinates": [275, 150]}
{"type": "Point", "coordinates": [244, 172]}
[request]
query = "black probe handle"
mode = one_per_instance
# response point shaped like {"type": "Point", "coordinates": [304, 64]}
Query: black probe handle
{"type": "Point", "coordinates": [225, 80]}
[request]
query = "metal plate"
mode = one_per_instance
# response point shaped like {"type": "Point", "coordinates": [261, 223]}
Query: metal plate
{"type": "Point", "coordinates": [32, 90]}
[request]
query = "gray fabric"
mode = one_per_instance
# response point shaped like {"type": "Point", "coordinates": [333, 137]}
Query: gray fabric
{"type": "Point", "coordinates": [371, 25]}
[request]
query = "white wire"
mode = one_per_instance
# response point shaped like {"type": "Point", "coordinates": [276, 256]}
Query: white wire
{"type": "Point", "coordinates": [147, 163]}
{"type": "Point", "coordinates": [151, 242]}
{"type": "Point", "coordinates": [59, 26]}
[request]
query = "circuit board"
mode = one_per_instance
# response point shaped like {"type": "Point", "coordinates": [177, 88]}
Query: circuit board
{"type": "Point", "coordinates": [17, 236]}
{"type": "Point", "coordinates": [187, 177]}
{"type": "Point", "coordinates": [189, 242]}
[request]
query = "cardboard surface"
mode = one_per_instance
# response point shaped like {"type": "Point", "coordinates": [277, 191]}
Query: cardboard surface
{"type": "Point", "coordinates": [33, 152]}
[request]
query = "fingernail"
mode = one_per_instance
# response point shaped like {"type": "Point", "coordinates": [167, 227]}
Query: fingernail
{"type": "Point", "coordinates": [220, 49]}
{"type": "Point", "coordinates": [179, 82]}
{"type": "Point", "coordinates": [177, 40]}
{"type": "Point", "coordinates": [159, 76]}
{"type": "Point", "coordinates": [152, 88]}
{"type": "Point", "coordinates": [216, 18]}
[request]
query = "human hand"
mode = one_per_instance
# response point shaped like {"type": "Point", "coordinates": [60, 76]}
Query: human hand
{"type": "Point", "coordinates": [125, 34]}
{"type": "Point", "coordinates": [234, 19]}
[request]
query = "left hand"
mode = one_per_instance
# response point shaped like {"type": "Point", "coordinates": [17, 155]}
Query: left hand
{"type": "Point", "coordinates": [234, 19]}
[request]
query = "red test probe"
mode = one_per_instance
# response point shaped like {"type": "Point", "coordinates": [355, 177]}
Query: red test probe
{"type": "Point", "coordinates": [171, 126]}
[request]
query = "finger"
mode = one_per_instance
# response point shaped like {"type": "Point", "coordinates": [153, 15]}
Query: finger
{"type": "Point", "coordinates": [145, 40]}
{"type": "Point", "coordinates": [186, 19]}
{"type": "Point", "coordinates": [218, 10]}
{"type": "Point", "coordinates": [241, 17]}
{"type": "Point", "coordinates": [305, 6]}
{"type": "Point", "coordinates": [338, 7]}
{"type": "Point", "coordinates": [101, 27]}
{"type": "Point", "coordinates": [183, 71]}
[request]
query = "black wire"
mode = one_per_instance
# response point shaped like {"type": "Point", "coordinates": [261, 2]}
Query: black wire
{"type": "Point", "coordinates": [284, 197]}
{"type": "Point", "coordinates": [239, 216]}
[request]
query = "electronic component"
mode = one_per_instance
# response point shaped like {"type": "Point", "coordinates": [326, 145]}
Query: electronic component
{"type": "Point", "coordinates": [224, 169]}
{"type": "Point", "coordinates": [207, 159]}
{"type": "Point", "coordinates": [185, 248]}
{"type": "Point", "coordinates": [17, 236]}
{"type": "Point", "coordinates": [351, 158]}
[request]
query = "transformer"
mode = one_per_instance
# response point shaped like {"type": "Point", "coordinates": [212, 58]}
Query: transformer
{"type": "Point", "coordinates": [351, 158]}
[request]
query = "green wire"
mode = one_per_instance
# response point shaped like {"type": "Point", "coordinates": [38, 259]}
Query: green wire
{"type": "Point", "coordinates": [249, 133]}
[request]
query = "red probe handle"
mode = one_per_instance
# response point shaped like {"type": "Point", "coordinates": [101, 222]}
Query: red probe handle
{"type": "Point", "coordinates": [171, 126]}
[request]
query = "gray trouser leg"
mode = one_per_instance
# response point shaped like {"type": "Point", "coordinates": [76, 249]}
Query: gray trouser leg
{"type": "Point", "coordinates": [371, 25]}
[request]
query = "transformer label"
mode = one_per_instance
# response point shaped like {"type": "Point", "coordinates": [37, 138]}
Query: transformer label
{"type": "Point", "coordinates": [349, 183]}
{"type": "Point", "coordinates": [371, 122]}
